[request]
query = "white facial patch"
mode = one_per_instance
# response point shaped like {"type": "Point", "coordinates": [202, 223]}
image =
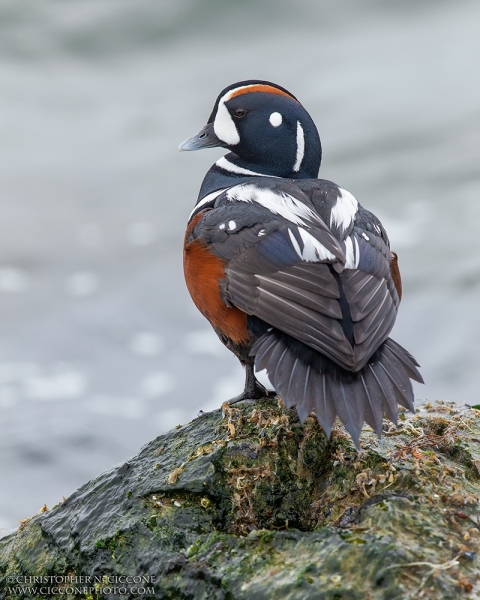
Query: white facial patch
{"type": "Point", "coordinates": [223, 126]}
{"type": "Point", "coordinates": [300, 148]}
{"type": "Point", "coordinates": [344, 211]}
{"type": "Point", "coordinates": [275, 119]}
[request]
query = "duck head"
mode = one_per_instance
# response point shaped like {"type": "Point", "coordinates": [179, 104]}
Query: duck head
{"type": "Point", "coordinates": [265, 127]}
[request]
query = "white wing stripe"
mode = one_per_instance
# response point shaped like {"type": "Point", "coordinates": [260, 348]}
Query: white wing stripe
{"type": "Point", "coordinates": [352, 252]}
{"type": "Point", "coordinates": [313, 250]}
{"type": "Point", "coordinates": [206, 200]}
{"type": "Point", "coordinates": [344, 211]}
{"type": "Point", "coordinates": [277, 203]}
{"type": "Point", "coordinates": [295, 243]}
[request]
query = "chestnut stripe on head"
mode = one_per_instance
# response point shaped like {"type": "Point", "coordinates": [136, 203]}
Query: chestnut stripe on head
{"type": "Point", "coordinates": [256, 87]}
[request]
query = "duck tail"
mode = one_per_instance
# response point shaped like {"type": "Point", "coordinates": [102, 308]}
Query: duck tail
{"type": "Point", "coordinates": [309, 381]}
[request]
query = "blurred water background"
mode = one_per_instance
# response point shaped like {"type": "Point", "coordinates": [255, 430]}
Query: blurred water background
{"type": "Point", "coordinates": [101, 348]}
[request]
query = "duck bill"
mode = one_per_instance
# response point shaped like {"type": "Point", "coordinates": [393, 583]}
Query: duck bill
{"type": "Point", "coordinates": [205, 138]}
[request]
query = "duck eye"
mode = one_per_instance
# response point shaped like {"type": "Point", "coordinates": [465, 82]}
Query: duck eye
{"type": "Point", "coordinates": [239, 113]}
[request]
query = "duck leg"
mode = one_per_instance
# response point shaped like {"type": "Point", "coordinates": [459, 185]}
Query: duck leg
{"type": "Point", "coordinates": [254, 390]}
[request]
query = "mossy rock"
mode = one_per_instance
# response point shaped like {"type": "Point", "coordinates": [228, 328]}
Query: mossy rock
{"type": "Point", "coordinates": [249, 504]}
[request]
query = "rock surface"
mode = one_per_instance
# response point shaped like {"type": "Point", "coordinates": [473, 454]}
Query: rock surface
{"type": "Point", "coordinates": [249, 504]}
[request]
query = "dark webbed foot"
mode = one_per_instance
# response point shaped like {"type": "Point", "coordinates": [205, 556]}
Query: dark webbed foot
{"type": "Point", "coordinates": [256, 394]}
{"type": "Point", "coordinates": [254, 390]}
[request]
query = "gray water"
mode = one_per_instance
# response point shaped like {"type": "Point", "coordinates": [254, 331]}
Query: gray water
{"type": "Point", "coordinates": [101, 348]}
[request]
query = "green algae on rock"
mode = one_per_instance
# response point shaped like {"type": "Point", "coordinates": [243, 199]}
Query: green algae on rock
{"type": "Point", "coordinates": [246, 503]}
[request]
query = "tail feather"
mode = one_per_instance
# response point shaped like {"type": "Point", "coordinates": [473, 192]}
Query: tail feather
{"type": "Point", "coordinates": [305, 407]}
{"type": "Point", "coordinates": [285, 369]}
{"type": "Point", "coordinates": [281, 366]}
{"type": "Point", "coordinates": [378, 378]}
{"type": "Point", "coordinates": [275, 358]}
{"type": "Point", "coordinates": [349, 410]}
{"type": "Point", "coordinates": [324, 407]}
{"type": "Point", "coordinates": [374, 407]}
{"type": "Point", "coordinates": [263, 350]}
{"type": "Point", "coordinates": [297, 387]}
{"type": "Point", "coordinates": [309, 381]}
{"type": "Point", "coordinates": [314, 396]}
{"type": "Point", "coordinates": [409, 363]}
{"type": "Point", "coordinates": [291, 379]}
{"type": "Point", "coordinates": [400, 380]}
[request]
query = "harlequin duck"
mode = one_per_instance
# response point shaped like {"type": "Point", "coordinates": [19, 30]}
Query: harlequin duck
{"type": "Point", "coordinates": [294, 275]}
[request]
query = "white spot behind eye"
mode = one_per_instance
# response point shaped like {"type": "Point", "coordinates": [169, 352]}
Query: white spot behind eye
{"type": "Point", "coordinates": [276, 119]}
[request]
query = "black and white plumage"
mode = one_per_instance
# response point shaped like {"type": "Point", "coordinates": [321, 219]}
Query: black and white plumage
{"type": "Point", "coordinates": [294, 274]}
